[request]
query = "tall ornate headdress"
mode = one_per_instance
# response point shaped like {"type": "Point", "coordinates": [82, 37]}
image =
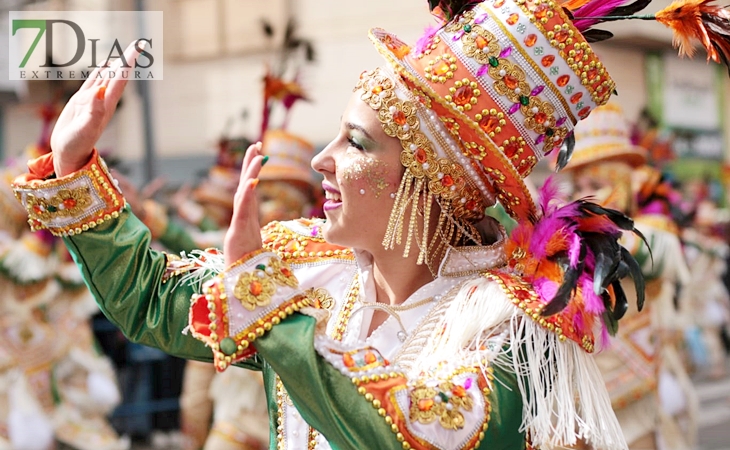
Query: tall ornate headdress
{"type": "Point", "coordinates": [478, 101]}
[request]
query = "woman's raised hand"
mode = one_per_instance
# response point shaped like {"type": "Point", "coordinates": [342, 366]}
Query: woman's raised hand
{"type": "Point", "coordinates": [87, 113]}
{"type": "Point", "coordinates": [244, 234]}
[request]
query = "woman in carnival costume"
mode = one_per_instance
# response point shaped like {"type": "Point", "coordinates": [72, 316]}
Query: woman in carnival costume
{"type": "Point", "coordinates": [56, 387]}
{"type": "Point", "coordinates": [406, 319]}
{"type": "Point", "coordinates": [641, 368]}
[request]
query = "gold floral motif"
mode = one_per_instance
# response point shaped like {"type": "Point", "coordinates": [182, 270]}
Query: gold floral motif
{"type": "Point", "coordinates": [281, 273]}
{"type": "Point", "coordinates": [463, 94]}
{"type": "Point", "coordinates": [322, 298]}
{"type": "Point", "coordinates": [510, 81]}
{"type": "Point", "coordinates": [480, 44]}
{"type": "Point", "coordinates": [398, 118]}
{"type": "Point", "coordinates": [441, 68]}
{"type": "Point", "coordinates": [65, 203]}
{"type": "Point", "coordinates": [458, 25]}
{"type": "Point", "coordinates": [444, 404]}
{"type": "Point", "coordinates": [254, 290]}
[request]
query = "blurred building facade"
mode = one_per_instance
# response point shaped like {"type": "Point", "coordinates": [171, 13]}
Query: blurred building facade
{"type": "Point", "coordinates": [215, 56]}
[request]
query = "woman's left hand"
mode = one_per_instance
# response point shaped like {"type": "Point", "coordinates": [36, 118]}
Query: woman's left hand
{"type": "Point", "coordinates": [244, 234]}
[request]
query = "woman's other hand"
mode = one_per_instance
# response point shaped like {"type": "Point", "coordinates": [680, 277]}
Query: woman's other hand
{"type": "Point", "coordinates": [244, 234]}
{"type": "Point", "coordinates": [87, 113]}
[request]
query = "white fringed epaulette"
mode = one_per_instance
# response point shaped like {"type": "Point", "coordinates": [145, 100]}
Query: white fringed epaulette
{"type": "Point", "coordinates": [564, 398]}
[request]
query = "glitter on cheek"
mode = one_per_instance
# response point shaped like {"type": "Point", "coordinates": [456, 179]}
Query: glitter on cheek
{"type": "Point", "coordinates": [372, 171]}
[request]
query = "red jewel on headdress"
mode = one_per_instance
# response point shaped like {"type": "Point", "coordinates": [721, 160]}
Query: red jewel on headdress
{"type": "Point", "coordinates": [511, 81]}
{"type": "Point", "coordinates": [562, 36]}
{"type": "Point", "coordinates": [563, 80]}
{"type": "Point", "coordinates": [541, 11]}
{"type": "Point", "coordinates": [530, 40]}
{"type": "Point", "coordinates": [576, 98]}
{"type": "Point", "coordinates": [511, 149]}
{"type": "Point", "coordinates": [463, 95]}
{"type": "Point", "coordinates": [547, 60]}
{"type": "Point", "coordinates": [489, 124]}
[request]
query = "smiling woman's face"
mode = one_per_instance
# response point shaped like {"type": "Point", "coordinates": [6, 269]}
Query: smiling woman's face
{"type": "Point", "coordinates": [361, 169]}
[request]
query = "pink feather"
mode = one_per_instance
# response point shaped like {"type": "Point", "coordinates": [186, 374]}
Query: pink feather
{"type": "Point", "coordinates": [550, 194]}
{"type": "Point", "coordinates": [425, 41]}
{"type": "Point", "coordinates": [574, 250]}
{"type": "Point", "coordinates": [594, 8]}
{"type": "Point", "coordinates": [546, 288]}
{"type": "Point", "coordinates": [593, 303]}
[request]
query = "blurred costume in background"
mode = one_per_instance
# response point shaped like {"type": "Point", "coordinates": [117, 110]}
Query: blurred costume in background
{"type": "Point", "coordinates": [642, 361]}
{"type": "Point", "coordinates": [707, 295]}
{"type": "Point", "coordinates": [56, 386]}
{"type": "Point", "coordinates": [496, 349]}
{"type": "Point", "coordinates": [660, 217]}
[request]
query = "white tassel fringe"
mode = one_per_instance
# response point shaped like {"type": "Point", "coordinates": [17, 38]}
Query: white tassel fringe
{"type": "Point", "coordinates": [564, 397]}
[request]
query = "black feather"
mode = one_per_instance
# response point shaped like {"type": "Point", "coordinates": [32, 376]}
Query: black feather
{"type": "Point", "coordinates": [620, 219]}
{"type": "Point", "coordinates": [636, 275]}
{"type": "Point", "coordinates": [603, 268]}
{"type": "Point", "coordinates": [608, 258]}
{"type": "Point", "coordinates": [594, 35]}
{"type": "Point", "coordinates": [566, 289]}
{"type": "Point", "coordinates": [452, 8]}
{"type": "Point", "coordinates": [608, 319]}
{"type": "Point", "coordinates": [622, 304]}
{"type": "Point", "coordinates": [629, 9]}
{"type": "Point", "coordinates": [566, 152]}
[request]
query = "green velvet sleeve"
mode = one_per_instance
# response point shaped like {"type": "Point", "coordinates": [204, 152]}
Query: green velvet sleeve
{"type": "Point", "coordinates": [329, 401]}
{"type": "Point", "coordinates": [126, 278]}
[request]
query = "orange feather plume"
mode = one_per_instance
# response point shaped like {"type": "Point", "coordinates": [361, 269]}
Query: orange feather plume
{"type": "Point", "coordinates": [699, 20]}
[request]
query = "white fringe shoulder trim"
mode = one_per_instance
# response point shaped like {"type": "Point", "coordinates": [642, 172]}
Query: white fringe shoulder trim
{"type": "Point", "coordinates": [564, 397]}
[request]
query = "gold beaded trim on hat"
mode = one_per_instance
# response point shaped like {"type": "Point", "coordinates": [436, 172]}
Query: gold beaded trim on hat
{"type": "Point", "coordinates": [427, 176]}
{"type": "Point", "coordinates": [562, 37]}
{"type": "Point", "coordinates": [539, 114]}
{"type": "Point", "coordinates": [445, 179]}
